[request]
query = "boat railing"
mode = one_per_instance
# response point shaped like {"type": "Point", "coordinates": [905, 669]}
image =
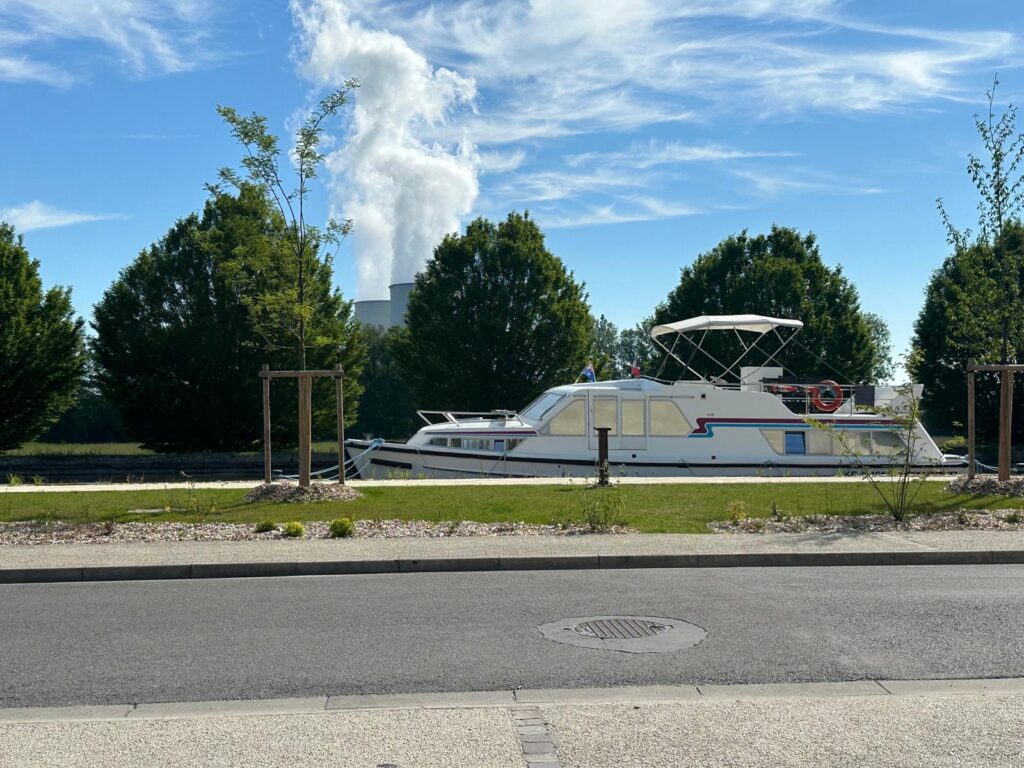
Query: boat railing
{"type": "Point", "coordinates": [810, 397]}
{"type": "Point", "coordinates": [456, 417]}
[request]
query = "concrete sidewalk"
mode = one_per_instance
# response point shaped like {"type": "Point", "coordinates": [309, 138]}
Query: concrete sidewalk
{"type": "Point", "coordinates": [474, 481]}
{"type": "Point", "coordinates": [176, 560]}
{"type": "Point", "coordinates": [865, 723]}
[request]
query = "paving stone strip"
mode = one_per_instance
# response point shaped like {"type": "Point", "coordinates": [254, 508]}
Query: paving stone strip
{"type": "Point", "coordinates": [534, 739]}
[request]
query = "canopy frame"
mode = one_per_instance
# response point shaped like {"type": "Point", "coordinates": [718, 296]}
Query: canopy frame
{"type": "Point", "coordinates": [759, 324]}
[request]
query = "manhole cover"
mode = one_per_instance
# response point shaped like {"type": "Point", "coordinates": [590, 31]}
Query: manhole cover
{"type": "Point", "coordinates": [630, 634]}
{"type": "Point", "coordinates": [620, 628]}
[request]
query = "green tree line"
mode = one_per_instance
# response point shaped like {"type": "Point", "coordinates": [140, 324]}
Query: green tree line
{"type": "Point", "coordinates": [493, 319]}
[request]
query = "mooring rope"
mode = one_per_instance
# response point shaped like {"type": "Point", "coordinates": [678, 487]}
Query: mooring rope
{"type": "Point", "coordinates": [323, 474]}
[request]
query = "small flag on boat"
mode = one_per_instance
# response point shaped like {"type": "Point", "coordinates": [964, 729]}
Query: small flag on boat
{"type": "Point", "coordinates": [635, 369]}
{"type": "Point", "coordinates": [588, 372]}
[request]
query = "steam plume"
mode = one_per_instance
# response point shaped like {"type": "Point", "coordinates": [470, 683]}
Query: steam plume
{"type": "Point", "coordinates": [404, 192]}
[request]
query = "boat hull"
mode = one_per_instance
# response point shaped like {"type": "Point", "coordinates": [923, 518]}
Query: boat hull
{"type": "Point", "coordinates": [401, 461]}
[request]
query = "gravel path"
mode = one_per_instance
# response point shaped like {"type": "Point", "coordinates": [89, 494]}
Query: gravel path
{"type": "Point", "coordinates": [106, 533]}
{"type": "Point", "coordinates": [961, 520]}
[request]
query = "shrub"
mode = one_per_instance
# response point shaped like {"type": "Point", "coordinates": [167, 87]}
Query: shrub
{"type": "Point", "coordinates": [954, 444]}
{"type": "Point", "coordinates": [1013, 517]}
{"type": "Point", "coordinates": [737, 511]}
{"type": "Point", "coordinates": [603, 507]}
{"type": "Point", "coordinates": [265, 526]}
{"type": "Point", "coordinates": [342, 528]}
{"type": "Point", "coordinates": [294, 530]}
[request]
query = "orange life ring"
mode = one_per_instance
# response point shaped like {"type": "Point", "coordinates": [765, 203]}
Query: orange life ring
{"type": "Point", "coordinates": [827, 403]}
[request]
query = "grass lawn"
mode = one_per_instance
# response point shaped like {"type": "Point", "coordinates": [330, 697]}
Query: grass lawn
{"type": "Point", "coordinates": [80, 449]}
{"type": "Point", "coordinates": [650, 508]}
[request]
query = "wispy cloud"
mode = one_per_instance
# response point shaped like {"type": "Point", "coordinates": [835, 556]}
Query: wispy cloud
{"type": "Point", "coordinates": [654, 153]}
{"type": "Point", "coordinates": [25, 70]}
{"type": "Point", "coordinates": [572, 65]}
{"type": "Point", "coordinates": [39, 215]}
{"type": "Point", "coordinates": [775, 183]}
{"type": "Point", "coordinates": [500, 162]}
{"type": "Point", "coordinates": [625, 211]}
{"type": "Point", "coordinates": [561, 96]}
{"type": "Point", "coordinates": [549, 185]}
{"type": "Point", "coordinates": [140, 36]}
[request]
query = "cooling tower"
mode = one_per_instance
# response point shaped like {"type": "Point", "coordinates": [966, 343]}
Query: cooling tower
{"type": "Point", "coordinates": [374, 312]}
{"type": "Point", "coordinates": [399, 302]}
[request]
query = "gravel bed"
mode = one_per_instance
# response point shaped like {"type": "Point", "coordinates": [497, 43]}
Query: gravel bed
{"type": "Point", "coordinates": [100, 533]}
{"type": "Point", "coordinates": [961, 520]}
{"type": "Point", "coordinates": [292, 493]}
{"type": "Point", "coordinates": [987, 485]}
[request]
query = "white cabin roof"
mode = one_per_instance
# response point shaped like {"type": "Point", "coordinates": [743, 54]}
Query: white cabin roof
{"type": "Point", "coordinates": [755, 323]}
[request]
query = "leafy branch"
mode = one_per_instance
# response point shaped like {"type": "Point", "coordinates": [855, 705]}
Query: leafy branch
{"type": "Point", "coordinates": [287, 312]}
{"type": "Point", "coordinates": [904, 482]}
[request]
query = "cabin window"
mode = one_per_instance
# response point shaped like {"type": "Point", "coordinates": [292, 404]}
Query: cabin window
{"type": "Point", "coordinates": [795, 445]}
{"type": "Point", "coordinates": [474, 444]}
{"type": "Point", "coordinates": [633, 418]}
{"type": "Point", "coordinates": [775, 439]}
{"type": "Point", "coordinates": [820, 443]}
{"type": "Point", "coordinates": [667, 420]}
{"type": "Point", "coordinates": [888, 443]}
{"type": "Point", "coordinates": [606, 414]}
{"type": "Point", "coordinates": [439, 441]}
{"type": "Point", "coordinates": [571, 420]}
{"type": "Point", "coordinates": [536, 410]}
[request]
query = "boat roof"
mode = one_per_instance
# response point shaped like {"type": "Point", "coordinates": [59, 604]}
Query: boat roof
{"type": "Point", "coordinates": [755, 323]}
{"type": "Point", "coordinates": [626, 385]}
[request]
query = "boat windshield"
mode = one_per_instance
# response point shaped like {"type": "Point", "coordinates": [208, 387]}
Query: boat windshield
{"type": "Point", "coordinates": [535, 411]}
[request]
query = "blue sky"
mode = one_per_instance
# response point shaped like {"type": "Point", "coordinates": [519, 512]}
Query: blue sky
{"type": "Point", "coordinates": [638, 133]}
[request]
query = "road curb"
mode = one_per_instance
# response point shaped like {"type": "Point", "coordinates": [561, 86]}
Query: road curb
{"type": "Point", "coordinates": [516, 699]}
{"type": "Point", "coordinates": [519, 563]}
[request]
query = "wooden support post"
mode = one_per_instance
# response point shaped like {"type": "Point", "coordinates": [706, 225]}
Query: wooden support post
{"type": "Point", "coordinates": [305, 429]}
{"type": "Point", "coordinates": [971, 455]}
{"type": "Point", "coordinates": [1005, 422]}
{"type": "Point", "coordinates": [340, 399]}
{"type": "Point", "coordinates": [267, 470]}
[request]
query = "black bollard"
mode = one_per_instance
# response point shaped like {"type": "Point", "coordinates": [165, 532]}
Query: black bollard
{"type": "Point", "coordinates": [602, 455]}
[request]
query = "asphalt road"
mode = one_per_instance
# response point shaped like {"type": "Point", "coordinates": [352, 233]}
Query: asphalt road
{"type": "Point", "coordinates": [253, 638]}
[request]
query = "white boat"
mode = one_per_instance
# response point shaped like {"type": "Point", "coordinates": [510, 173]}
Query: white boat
{"type": "Point", "coordinates": [746, 421]}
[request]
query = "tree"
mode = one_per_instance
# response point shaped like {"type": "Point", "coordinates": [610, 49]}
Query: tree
{"type": "Point", "coordinates": [957, 323]}
{"type": "Point", "coordinates": [604, 353]}
{"type": "Point", "coordinates": [974, 303]}
{"type": "Point", "coordinates": [493, 320]}
{"type": "Point", "coordinates": [882, 339]}
{"type": "Point", "coordinates": [92, 419]}
{"type": "Point", "coordinates": [635, 346]}
{"type": "Point", "coordinates": [899, 487]}
{"type": "Point", "coordinates": [281, 286]}
{"type": "Point", "coordinates": [41, 346]}
{"type": "Point", "coordinates": [177, 350]}
{"type": "Point", "coordinates": [780, 274]}
{"type": "Point", "coordinates": [386, 408]}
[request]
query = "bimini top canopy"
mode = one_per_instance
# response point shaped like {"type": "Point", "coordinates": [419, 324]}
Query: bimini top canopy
{"type": "Point", "coordinates": [695, 330]}
{"type": "Point", "coordinates": [754, 323]}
